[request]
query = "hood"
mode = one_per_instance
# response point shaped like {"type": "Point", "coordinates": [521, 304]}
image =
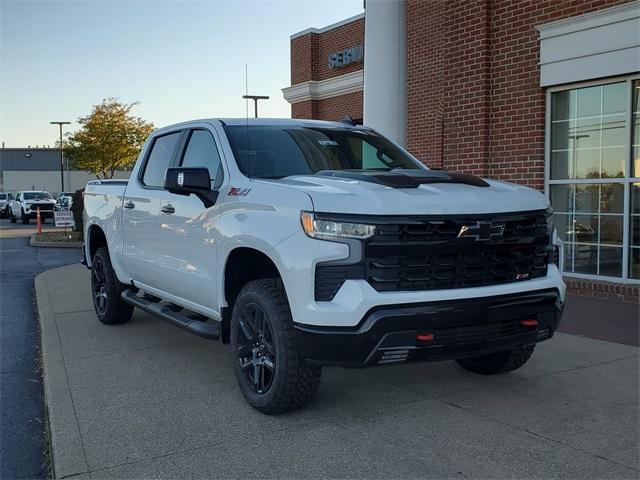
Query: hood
{"type": "Point", "coordinates": [438, 193]}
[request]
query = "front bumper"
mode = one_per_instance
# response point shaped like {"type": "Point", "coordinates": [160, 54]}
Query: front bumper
{"type": "Point", "coordinates": [32, 214]}
{"type": "Point", "coordinates": [460, 328]}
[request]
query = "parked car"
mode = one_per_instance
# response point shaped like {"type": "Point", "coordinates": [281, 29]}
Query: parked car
{"type": "Point", "coordinates": [27, 203]}
{"type": "Point", "coordinates": [63, 203]}
{"type": "Point", "coordinates": [307, 243]}
{"type": "Point", "coordinates": [5, 199]}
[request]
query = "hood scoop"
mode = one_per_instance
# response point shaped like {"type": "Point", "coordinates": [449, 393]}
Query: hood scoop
{"type": "Point", "coordinates": [405, 178]}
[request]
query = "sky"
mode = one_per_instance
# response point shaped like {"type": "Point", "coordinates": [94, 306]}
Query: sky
{"type": "Point", "coordinates": [181, 60]}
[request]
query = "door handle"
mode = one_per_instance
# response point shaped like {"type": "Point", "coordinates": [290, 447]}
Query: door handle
{"type": "Point", "coordinates": [168, 209]}
{"type": "Point", "coordinates": [129, 205]}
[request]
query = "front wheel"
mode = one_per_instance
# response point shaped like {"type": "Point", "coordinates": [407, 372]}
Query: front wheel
{"type": "Point", "coordinates": [272, 376]}
{"type": "Point", "coordinates": [106, 290]}
{"type": "Point", "coordinates": [499, 362]}
{"type": "Point", "coordinates": [24, 218]}
{"type": "Point", "coordinates": [12, 217]}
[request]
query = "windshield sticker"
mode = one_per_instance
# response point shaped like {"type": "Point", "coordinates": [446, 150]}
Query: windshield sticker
{"type": "Point", "coordinates": [328, 143]}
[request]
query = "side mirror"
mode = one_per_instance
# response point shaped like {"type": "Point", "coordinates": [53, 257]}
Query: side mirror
{"type": "Point", "coordinates": [188, 180]}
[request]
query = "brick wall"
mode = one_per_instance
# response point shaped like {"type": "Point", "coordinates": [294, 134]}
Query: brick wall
{"type": "Point", "coordinates": [473, 97]}
{"type": "Point", "coordinates": [310, 61]}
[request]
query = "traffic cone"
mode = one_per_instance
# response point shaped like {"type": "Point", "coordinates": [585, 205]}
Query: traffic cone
{"type": "Point", "coordinates": [38, 220]}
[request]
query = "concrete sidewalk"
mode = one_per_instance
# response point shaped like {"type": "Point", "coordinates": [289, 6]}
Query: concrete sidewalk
{"type": "Point", "coordinates": [147, 400]}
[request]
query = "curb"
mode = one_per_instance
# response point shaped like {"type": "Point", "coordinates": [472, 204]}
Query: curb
{"type": "Point", "coordinates": [36, 243]}
{"type": "Point", "coordinates": [65, 441]}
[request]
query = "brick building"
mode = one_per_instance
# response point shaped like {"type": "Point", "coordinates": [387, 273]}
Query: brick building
{"type": "Point", "coordinates": [540, 92]}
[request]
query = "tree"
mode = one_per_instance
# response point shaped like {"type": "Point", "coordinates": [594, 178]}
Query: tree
{"type": "Point", "coordinates": [110, 139]}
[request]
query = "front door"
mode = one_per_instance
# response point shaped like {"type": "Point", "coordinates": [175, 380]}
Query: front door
{"type": "Point", "coordinates": [189, 230]}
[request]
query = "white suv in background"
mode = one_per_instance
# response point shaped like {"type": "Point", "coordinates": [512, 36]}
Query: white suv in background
{"type": "Point", "coordinates": [5, 198]}
{"type": "Point", "coordinates": [27, 203]}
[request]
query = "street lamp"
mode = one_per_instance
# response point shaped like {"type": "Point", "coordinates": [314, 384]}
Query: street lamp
{"type": "Point", "coordinates": [255, 99]}
{"type": "Point", "coordinates": [60, 124]}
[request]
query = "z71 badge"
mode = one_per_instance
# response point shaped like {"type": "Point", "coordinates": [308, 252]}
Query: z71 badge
{"type": "Point", "coordinates": [238, 192]}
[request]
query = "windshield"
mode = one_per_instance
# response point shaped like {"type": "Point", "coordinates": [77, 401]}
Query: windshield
{"type": "Point", "coordinates": [37, 196]}
{"type": "Point", "coordinates": [3, 196]}
{"type": "Point", "coordinates": [277, 151]}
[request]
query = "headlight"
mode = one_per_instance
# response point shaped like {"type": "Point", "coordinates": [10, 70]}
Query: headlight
{"type": "Point", "coordinates": [329, 229]}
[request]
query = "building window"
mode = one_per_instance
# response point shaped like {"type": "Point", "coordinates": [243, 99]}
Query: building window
{"type": "Point", "coordinates": [593, 187]}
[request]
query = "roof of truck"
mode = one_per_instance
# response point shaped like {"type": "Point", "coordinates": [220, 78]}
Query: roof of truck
{"type": "Point", "coordinates": [269, 121]}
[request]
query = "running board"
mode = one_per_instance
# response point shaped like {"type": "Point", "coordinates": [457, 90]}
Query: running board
{"type": "Point", "coordinates": [197, 327]}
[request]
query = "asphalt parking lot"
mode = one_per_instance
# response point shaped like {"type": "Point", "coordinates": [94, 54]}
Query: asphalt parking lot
{"type": "Point", "coordinates": [22, 420]}
{"type": "Point", "coordinates": [147, 400]}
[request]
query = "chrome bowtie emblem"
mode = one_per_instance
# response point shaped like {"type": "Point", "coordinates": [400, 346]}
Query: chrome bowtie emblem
{"type": "Point", "coordinates": [180, 179]}
{"type": "Point", "coordinates": [481, 231]}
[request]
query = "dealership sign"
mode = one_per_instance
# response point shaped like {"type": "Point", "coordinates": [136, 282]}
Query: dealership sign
{"type": "Point", "coordinates": [64, 218]}
{"type": "Point", "coordinates": [346, 57]}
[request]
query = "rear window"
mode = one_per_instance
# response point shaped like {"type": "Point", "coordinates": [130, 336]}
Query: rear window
{"type": "Point", "coordinates": [277, 151]}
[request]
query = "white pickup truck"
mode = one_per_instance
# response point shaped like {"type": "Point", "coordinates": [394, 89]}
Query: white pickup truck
{"type": "Point", "coordinates": [306, 244]}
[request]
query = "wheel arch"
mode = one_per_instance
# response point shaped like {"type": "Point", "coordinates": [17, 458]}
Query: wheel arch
{"type": "Point", "coordinates": [243, 265]}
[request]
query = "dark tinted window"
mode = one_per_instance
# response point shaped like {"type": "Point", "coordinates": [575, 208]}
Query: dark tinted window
{"type": "Point", "coordinates": [277, 151]}
{"type": "Point", "coordinates": [3, 196]}
{"type": "Point", "coordinates": [37, 196]}
{"type": "Point", "coordinates": [160, 159]}
{"type": "Point", "coordinates": [201, 151]}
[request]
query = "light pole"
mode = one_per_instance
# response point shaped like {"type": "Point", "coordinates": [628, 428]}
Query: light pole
{"type": "Point", "coordinates": [255, 99]}
{"type": "Point", "coordinates": [60, 124]}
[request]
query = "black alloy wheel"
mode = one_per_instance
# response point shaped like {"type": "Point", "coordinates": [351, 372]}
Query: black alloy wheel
{"type": "Point", "coordinates": [256, 348]}
{"type": "Point", "coordinates": [99, 286]}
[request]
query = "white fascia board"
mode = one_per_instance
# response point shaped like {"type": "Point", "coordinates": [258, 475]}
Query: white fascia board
{"type": "Point", "coordinates": [323, 89]}
{"type": "Point", "coordinates": [328, 27]}
{"type": "Point", "coordinates": [598, 18]}
{"type": "Point", "coordinates": [600, 44]}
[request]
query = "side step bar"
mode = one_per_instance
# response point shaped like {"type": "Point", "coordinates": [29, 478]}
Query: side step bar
{"type": "Point", "coordinates": [197, 327]}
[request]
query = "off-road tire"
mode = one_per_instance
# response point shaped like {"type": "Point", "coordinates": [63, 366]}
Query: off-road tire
{"type": "Point", "coordinates": [294, 382]}
{"type": "Point", "coordinates": [499, 362]}
{"type": "Point", "coordinates": [24, 218]}
{"type": "Point", "coordinates": [115, 310]}
{"type": "Point", "coordinates": [12, 217]}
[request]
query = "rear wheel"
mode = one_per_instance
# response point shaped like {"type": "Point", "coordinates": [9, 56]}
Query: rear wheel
{"type": "Point", "coordinates": [499, 362]}
{"type": "Point", "coordinates": [106, 290]}
{"type": "Point", "coordinates": [272, 376]}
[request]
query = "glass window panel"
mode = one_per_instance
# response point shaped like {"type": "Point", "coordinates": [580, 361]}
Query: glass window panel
{"type": "Point", "coordinates": [612, 198]}
{"type": "Point", "coordinates": [562, 197]}
{"type": "Point", "coordinates": [562, 134]}
{"type": "Point", "coordinates": [613, 130]}
{"type": "Point", "coordinates": [589, 101]}
{"type": "Point", "coordinates": [564, 226]}
{"type": "Point", "coordinates": [635, 231]}
{"type": "Point", "coordinates": [585, 228]}
{"type": "Point", "coordinates": [587, 133]}
{"type": "Point", "coordinates": [613, 160]}
{"type": "Point", "coordinates": [585, 259]}
{"type": "Point", "coordinates": [611, 261]}
{"type": "Point", "coordinates": [611, 229]}
{"type": "Point", "coordinates": [614, 98]}
{"type": "Point", "coordinates": [586, 198]}
{"type": "Point", "coordinates": [634, 263]}
{"type": "Point", "coordinates": [636, 96]}
{"type": "Point", "coordinates": [563, 105]}
{"type": "Point", "coordinates": [635, 198]}
{"type": "Point", "coordinates": [562, 165]}
{"type": "Point", "coordinates": [587, 163]}
{"type": "Point", "coordinates": [635, 162]}
{"type": "Point", "coordinates": [568, 257]}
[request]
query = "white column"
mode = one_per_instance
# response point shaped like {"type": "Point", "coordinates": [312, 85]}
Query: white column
{"type": "Point", "coordinates": [385, 99]}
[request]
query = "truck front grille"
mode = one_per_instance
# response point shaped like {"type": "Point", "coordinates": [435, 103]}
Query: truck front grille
{"type": "Point", "coordinates": [432, 254]}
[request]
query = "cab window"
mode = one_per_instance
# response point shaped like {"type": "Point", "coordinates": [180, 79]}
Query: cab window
{"type": "Point", "coordinates": [202, 151]}
{"type": "Point", "coordinates": [159, 159]}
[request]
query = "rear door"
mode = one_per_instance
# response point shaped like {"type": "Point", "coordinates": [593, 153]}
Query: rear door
{"type": "Point", "coordinates": [189, 230]}
{"type": "Point", "coordinates": [143, 253]}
